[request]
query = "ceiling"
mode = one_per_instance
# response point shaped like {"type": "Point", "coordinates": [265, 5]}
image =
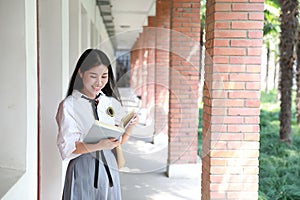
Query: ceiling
{"type": "Point", "coordinates": [127, 20]}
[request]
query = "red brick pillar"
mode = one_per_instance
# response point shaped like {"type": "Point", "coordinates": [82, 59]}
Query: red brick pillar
{"type": "Point", "coordinates": [162, 66]}
{"type": "Point", "coordinates": [143, 70]}
{"type": "Point", "coordinates": [151, 35]}
{"type": "Point", "coordinates": [138, 66]}
{"type": "Point", "coordinates": [232, 99]}
{"type": "Point", "coordinates": [133, 65]}
{"type": "Point", "coordinates": [184, 79]}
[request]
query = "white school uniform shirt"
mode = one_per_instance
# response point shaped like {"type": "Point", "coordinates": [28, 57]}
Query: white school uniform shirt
{"type": "Point", "coordinates": [75, 117]}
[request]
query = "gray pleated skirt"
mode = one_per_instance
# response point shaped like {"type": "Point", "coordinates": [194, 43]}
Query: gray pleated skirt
{"type": "Point", "coordinates": [79, 181]}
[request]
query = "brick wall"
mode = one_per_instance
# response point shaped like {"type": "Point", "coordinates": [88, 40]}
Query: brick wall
{"type": "Point", "coordinates": [147, 67]}
{"type": "Point", "coordinates": [184, 79]}
{"type": "Point", "coordinates": [137, 62]}
{"type": "Point", "coordinates": [133, 65]}
{"type": "Point", "coordinates": [151, 46]}
{"type": "Point", "coordinates": [163, 9]}
{"type": "Point", "coordinates": [144, 67]}
{"type": "Point", "coordinates": [232, 99]}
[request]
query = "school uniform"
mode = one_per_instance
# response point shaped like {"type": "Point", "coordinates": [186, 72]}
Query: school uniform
{"type": "Point", "coordinates": [84, 179]}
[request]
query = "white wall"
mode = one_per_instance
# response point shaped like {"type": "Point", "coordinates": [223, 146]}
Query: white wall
{"type": "Point", "coordinates": [18, 72]}
{"type": "Point", "coordinates": [13, 87]}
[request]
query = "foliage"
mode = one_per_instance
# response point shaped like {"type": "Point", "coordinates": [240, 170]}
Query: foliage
{"type": "Point", "coordinates": [273, 3]}
{"type": "Point", "coordinates": [271, 20]}
{"type": "Point", "coordinates": [203, 12]}
{"type": "Point", "coordinates": [279, 163]}
{"type": "Point", "coordinates": [271, 23]}
{"type": "Point", "coordinates": [200, 131]}
{"type": "Point", "coordinates": [271, 31]}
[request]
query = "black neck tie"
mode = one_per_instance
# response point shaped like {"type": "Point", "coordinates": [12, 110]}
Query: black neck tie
{"type": "Point", "coordinates": [94, 103]}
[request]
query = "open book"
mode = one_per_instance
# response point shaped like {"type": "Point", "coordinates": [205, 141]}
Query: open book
{"type": "Point", "coordinates": [100, 130]}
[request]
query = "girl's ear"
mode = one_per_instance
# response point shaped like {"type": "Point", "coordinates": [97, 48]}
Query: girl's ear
{"type": "Point", "coordinates": [80, 73]}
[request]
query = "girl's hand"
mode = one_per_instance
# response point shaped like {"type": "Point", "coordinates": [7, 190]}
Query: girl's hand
{"type": "Point", "coordinates": [128, 131]}
{"type": "Point", "coordinates": [134, 121]}
{"type": "Point", "coordinates": [108, 143]}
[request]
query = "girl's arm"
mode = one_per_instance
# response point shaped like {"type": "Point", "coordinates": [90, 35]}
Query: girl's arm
{"type": "Point", "coordinates": [128, 131]}
{"type": "Point", "coordinates": [82, 148]}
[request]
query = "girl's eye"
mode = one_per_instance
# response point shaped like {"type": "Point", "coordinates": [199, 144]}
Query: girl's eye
{"type": "Point", "coordinates": [104, 76]}
{"type": "Point", "coordinates": [93, 76]}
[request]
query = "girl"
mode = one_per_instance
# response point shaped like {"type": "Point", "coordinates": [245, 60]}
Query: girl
{"type": "Point", "coordinates": [92, 172]}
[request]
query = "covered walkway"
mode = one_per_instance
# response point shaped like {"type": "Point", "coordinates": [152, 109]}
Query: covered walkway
{"type": "Point", "coordinates": [144, 174]}
{"type": "Point", "coordinates": [41, 41]}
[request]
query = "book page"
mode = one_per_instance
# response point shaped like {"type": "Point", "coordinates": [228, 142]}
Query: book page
{"type": "Point", "coordinates": [127, 119]}
{"type": "Point", "coordinates": [100, 131]}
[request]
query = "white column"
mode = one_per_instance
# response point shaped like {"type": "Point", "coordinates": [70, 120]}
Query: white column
{"type": "Point", "coordinates": [75, 33]}
{"type": "Point", "coordinates": [54, 74]}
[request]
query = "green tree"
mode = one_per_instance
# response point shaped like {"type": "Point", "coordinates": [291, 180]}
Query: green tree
{"type": "Point", "coordinates": [298, 77]}
{"type": "Point", "coordinates": [289, 23]}
{"type": "Point", "coordinates": [202, 30]}
{"type": "Point", "coordinates": [271, 34]}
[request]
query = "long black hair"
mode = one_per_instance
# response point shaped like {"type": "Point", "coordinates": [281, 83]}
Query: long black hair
{"type": "Point", "coordinates": [91, 58]}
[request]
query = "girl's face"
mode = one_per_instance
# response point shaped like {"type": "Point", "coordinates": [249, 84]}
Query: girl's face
{"type": "Point", "coordinates": [94, 80]}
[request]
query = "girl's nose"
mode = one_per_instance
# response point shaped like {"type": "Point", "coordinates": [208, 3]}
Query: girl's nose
{"type": "Point", "coordinates": [99, 82]}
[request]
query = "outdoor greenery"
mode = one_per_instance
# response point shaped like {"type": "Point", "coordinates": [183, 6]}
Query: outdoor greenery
{"type": "Point", "coordinates": [279, 162]}
{"type": "Point", "coordinates": [200, 132]}
{"type": "Point", "coordinates": [279, 159]}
